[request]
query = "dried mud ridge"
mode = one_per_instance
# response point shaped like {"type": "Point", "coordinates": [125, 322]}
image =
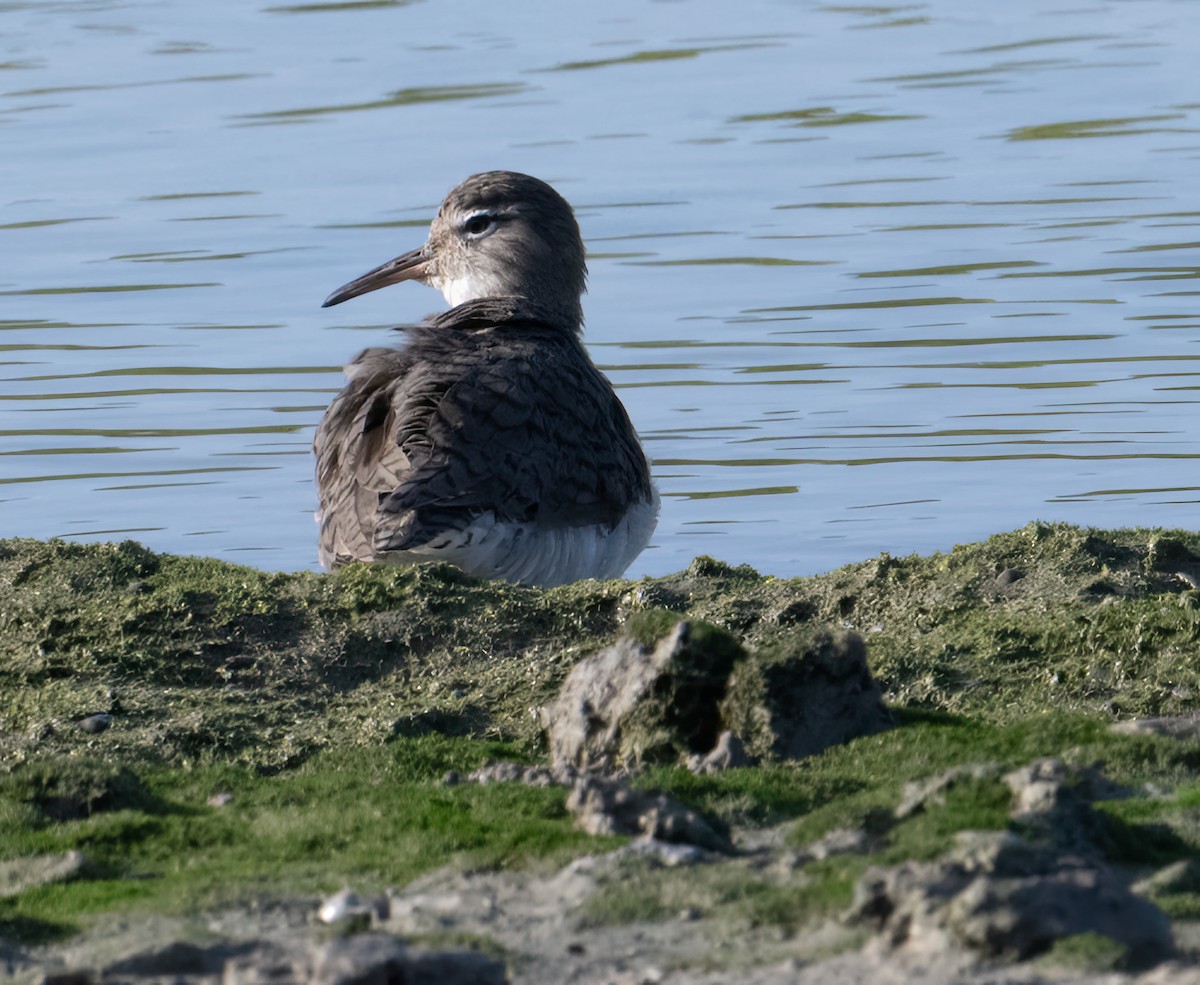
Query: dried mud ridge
{"type": "Point", "coordinates": [974, 767]}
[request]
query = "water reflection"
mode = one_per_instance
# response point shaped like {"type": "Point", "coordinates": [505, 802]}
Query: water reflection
{"type": "Point", "coordinates": [403, 97]}
{"type": "Point", "coordinates": [321, 8]}
{"type": "Point", "coordinates": [660, 55]}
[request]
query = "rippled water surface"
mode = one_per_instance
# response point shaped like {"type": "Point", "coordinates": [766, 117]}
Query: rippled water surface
{"type": "Point", "coordinates": [868, 278]}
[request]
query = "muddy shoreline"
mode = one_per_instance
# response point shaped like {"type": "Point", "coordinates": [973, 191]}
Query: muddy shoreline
{"type": "Point", "coordinates": [197, 754]}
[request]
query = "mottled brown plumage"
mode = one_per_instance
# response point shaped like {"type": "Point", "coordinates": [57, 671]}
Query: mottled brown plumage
{"type": "Point", "coordinates": [489, 439]}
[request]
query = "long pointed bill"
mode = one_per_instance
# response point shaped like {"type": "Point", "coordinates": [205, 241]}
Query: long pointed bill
{"type": "Point", "coordinates": [410, 266]}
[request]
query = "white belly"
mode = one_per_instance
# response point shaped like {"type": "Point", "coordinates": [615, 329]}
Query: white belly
{"type": "Point", "coordinates": [533, 555]}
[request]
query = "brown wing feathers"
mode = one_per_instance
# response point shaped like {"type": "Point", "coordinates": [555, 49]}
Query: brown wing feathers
{"type": "Point", "coordinates": [482, 410]}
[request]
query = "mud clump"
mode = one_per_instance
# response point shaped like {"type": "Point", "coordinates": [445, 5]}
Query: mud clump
{"type": "Point", "coordinates": [634, 704]}
{"type": "Point", "coordinates": [1003, 896]}
{"type": "Point", "coordinates": [804, 694]}
{"type": "Point", "coordinates": [695, 696]}
{"type": "Point", "coordinates": [19, 874]}
{"type": "Point", "coordinates": [1000, 896]}
{"type": "Point", "coordinates": [606, 807]}
{"type": "Point", "coordinates": [350, 960]}
{"type": "Point", "coordinates": [62, 788]}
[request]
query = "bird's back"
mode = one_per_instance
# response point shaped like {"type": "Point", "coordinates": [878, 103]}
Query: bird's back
{"type": "Point", "coordinates": [489, 440]}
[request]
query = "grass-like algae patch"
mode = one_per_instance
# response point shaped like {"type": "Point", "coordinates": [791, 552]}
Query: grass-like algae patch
{"type": "Point", "coordinates": [327, 709]}
{"type": "Point", "coordinates": [374, 817]}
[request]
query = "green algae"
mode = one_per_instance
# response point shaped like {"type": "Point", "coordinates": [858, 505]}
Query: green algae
{"type": "Point", "coordinates": [677, 715]}
{"type": "Point", "coordinates": [330, 707]}
{"type": "Point", "coordinates": [199, 660]}
{"type": "Point", "coordinates": [1088, 952]}
{"type": "Point", "coordinates": [802, 693]}
{"type": "Point", "coordinates": [857, 787]}
{"type": "Point", "coordinates": [732, 893]}
{"type": "Point", "coordinates": [376, 817]}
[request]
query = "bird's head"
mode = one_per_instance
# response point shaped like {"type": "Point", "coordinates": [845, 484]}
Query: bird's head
{"type": "Point", "coordinates": [497, 234]}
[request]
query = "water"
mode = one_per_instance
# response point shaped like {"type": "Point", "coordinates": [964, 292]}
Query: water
{"type": "Point", "coordinates": [867, 278]}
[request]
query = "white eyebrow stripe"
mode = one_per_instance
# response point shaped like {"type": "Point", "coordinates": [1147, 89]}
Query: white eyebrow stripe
{"type": "Point", "coordinates": [491, 213]}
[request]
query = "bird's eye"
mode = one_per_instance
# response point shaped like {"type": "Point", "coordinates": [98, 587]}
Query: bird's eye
{"type": "Point", "coordinates": [478, 225]}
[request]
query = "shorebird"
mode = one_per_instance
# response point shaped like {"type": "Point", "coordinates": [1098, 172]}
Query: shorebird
{"type": "Point", "coordinates": [489, 439]}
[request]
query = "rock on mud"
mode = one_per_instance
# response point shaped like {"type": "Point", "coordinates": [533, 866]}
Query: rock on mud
{"type": "Point", "coordinates": [20, 874]}
{"type": "Point", "coordinates": [809, 691]}
{"type": "Point", "coordinates": [356, 959]}
{"type": "Point", "coordinates": [633, 703]}
{"type": "Point", "coordinates": [696, 697]}
{"type": "Point", "coordinates": [612, 807]}
{"type": "Point", "coordinates": [999, 896]}
{"type": "Point", "coordinates": [728, 753]}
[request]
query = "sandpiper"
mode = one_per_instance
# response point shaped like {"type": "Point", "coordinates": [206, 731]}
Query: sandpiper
{"type": "Point", "coordinates": [489, 439]}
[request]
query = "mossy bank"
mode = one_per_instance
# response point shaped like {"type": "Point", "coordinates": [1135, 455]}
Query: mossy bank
{"type": "Point", "coordinates": [209, 735]}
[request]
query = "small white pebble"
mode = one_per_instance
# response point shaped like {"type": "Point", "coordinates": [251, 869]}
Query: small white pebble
{"type": "Point", "coordinates": [340, 905]}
